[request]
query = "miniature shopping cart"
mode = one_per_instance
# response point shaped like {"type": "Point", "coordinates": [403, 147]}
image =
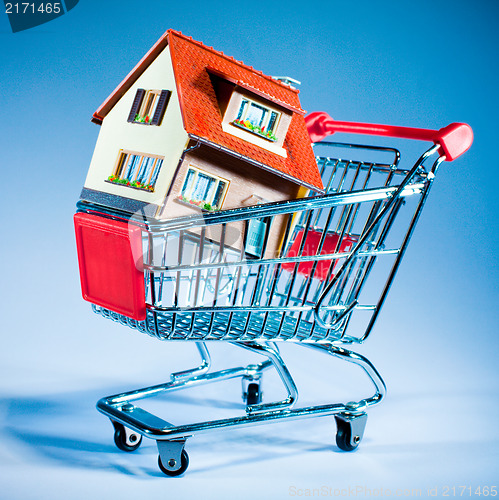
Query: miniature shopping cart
{"type": "Point", "coordinates": [202, 278]}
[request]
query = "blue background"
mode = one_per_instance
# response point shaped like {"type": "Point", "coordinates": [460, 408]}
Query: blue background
{"type": "Point", "coordinates": [420, 64]}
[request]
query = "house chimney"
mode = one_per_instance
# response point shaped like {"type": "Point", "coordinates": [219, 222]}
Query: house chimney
{"type": "Point", "coordinates": [287, 80]}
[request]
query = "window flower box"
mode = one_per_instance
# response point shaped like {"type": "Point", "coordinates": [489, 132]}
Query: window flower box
{"type": "Point", "coordinates": [203, 205]}
{"type": "Point", "coordinates": [142, 119]}
{"type": "Point", "coordinates": [203, 190]}
{"type": "Point", "coordinates": [134, 184]}
{"type": "Point", "coordinates": [247, 125]}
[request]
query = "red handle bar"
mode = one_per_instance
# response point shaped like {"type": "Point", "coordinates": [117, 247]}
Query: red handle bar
{"type": "Point", "coordinates": [454, 140]}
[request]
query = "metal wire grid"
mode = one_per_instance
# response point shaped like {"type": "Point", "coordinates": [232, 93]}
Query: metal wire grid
{"type": "Point", "coordinates": [202, 284]}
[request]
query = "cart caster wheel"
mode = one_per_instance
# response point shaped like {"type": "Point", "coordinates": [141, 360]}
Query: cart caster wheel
{"type": "Point", "coordinates": [253, 395]}
{"type": "Point", "coordinates": [350, 431]}
{"type": "Point", "coordinates": [344, 438]}
{"type": "Point", "coordinates": [126, 442]}
{"type": "Point", "coordinates": [184, 463]}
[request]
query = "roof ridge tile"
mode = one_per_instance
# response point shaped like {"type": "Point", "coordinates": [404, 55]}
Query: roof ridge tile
{"type": "Point", "coordinates": [230, 58]}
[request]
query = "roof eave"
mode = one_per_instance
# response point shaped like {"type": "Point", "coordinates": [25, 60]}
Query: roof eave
{"type": "Point", "coordinates": [257, 163]}
{"type": "Point", "coordinates": [130, 79]}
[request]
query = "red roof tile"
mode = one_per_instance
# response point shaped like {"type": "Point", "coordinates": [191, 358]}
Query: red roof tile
{"type": "Point", "coordinates": [202, 115]}
{"type": "Point", "coordinates": [192, 62]}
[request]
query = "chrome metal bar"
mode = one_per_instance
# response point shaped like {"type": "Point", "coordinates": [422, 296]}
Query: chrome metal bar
{"type": "Point", "coordinates": [271, 351]}
{"type": "Point", "coordinates": [268, 262]}
{"type": "Point", "coordinates": [381, 166]}
{"type": "Point", "coordinates": [237, 280]}
{"type": "Point", "coordinates": [200, 259]}
{"type": "Point", "coordinates": [119, 408]}
{"type": "Point", "coordinates": [403, 248]}
{"type": "Point", "coordinates": [357, 205]}
{"type": "Point", "coordinates": [162, 274]}
{"type": "Point", "coordinates": [358, 282]}
{"type": "Point", "coordinates": [199, 370]}
{"type": "Point", "coordinates": [150, 256]}
{"type": "Point", "coordinates": [125, 398]}
{"type": "Point", "coordinates": [178, 281]}
{"type": "Point", "coordinates": [300, 253]}
{"type": "Point", "coordinates": [339, 189]}
{"type": "Point", "coordinates": [308, 281]}
{"type": "Point", "coordinates": [220, 259]}
{"type": "Point", "coordinates": [329, 185]}
{"type": "Point", "coordinates": [167, 431]}
{"type": "Point", "coordinates": [278, 208]}
{"type": "Point", "coordinates": [357, 359]}
{"type": "Point", "coordinates": [363, 238]}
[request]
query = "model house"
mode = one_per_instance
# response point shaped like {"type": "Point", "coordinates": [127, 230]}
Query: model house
{"type": "Point", "coordinates": [192, 129]}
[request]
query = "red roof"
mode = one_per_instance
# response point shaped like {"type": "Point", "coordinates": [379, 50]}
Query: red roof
{"type": "Point", "coordinates": [192, 62]}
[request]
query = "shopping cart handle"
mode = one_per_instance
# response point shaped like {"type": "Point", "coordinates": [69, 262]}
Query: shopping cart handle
{"type": "Point", "coordinates": [454, 140]}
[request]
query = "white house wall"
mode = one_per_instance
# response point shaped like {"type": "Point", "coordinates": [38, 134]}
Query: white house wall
{"type": "Point", "coordinates": [168, 140]}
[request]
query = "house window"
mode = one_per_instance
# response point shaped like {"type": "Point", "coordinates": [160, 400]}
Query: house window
{"type": "Point", "coordinates": [203, 190]}
{"type": "Point", "coordinates": [257, 119]}
{"type": "Point", "coordinates": [149, 106]}
{"type": "Point", "coordinates": [136, 170]}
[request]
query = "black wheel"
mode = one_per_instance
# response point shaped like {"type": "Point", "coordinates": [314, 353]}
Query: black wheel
{"type": "Point", "coordinates": [183, 465]}
{"type": "Point", "coordinates": [122, 442]}
{"type": "Point", "coordinates": [344, 439]}
{"type": "Point", "coordinates": [253, 396]}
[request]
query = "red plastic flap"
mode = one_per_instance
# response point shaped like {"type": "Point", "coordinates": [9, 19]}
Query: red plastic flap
{"type": "Point", "coordinates": [310, 248]}
{"type": "Point", "coordinates": [110, 277]}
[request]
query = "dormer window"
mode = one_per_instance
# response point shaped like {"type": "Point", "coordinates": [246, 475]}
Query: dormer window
{"type": "Point", "coordinates": [149, 106]}
{"type": "Point", "coordinates": [257, 119]}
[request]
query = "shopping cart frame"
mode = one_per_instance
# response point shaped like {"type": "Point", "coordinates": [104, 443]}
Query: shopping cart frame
{"type": "Point", "coordinates": [333, 316]}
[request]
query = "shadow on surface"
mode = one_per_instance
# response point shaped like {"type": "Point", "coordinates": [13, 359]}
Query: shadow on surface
{"type": "Point", "coordinates": [67, 428]}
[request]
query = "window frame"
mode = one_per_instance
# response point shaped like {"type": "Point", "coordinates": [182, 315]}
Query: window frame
{"type": "Point", "coordinates": [146, 112]}
{"type": "Point", "coordinates": [187, 192]}
{"type": "Point", "coordinates": [260, 130]}
{"type": "Point", "coordinates": [123, 166]}
{"type": "Point", "coordinates": [141, 112]}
